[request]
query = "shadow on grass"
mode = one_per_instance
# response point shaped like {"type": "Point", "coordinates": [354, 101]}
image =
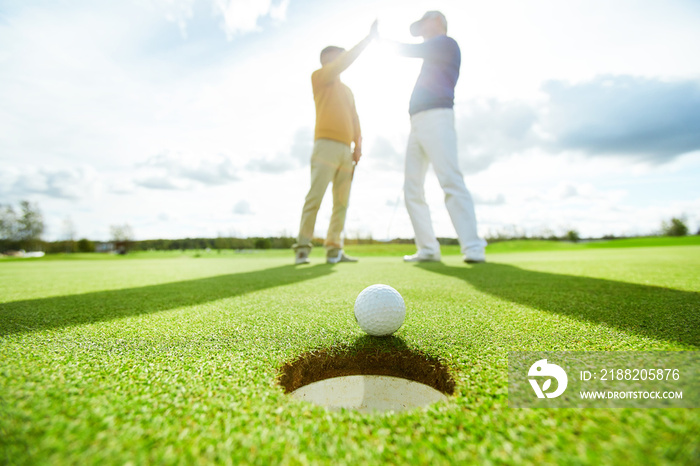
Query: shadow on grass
{"type": "Point", "coordinates": [367, 355]}
{"type": "Point", "coordinates": [65, 311]}
{"type": "Point", "coordinates": [656, 312]}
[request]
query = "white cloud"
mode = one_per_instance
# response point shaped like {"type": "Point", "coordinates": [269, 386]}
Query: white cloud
{"type": "Point", "coordinates": [382, 155]}
{"type": "Point", "coordinates": [120, 185]}
{"type": "Point", "coordinates": [647, 119]}
{"type": "Point", "coordinates": [63, 183]}
{"type": "Point", "coordinates": [489, 130]}
{"type": "Point", "coordinates": [237, 16]}
{"type": "Point", "coordinates": [176, 170]}
{"type": "Point", "coordinates": [241, 16]}
{"type": "Point", "coordinates": [298, 155]}
{"type": "Point", "coordinates": [393, 202]}
{"type": "Point", "coordinates": [278, 164]}
{"type": "Point", "coordinates": [643, 119]}
{"type": "Point", "coordinates": [479, 199]}
{"type": "Point", "coordinates": [160, 182]}
{"type": "Point", "coordinates": [302, 145]}
{"type": "Point", "coordinates": [242, 208]}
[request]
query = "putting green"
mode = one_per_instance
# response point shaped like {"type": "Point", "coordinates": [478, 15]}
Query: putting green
{"type": "Point", "coordinates": [174, 359]}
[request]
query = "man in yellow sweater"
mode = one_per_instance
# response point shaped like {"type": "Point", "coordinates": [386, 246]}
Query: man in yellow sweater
{"type": "Point", "coordinates": [337, 147]}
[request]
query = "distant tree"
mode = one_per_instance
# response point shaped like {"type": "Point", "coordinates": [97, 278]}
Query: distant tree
{"type": "Point", "coordinates": [283, 242]}
{"type": "Point", "coordinates": [30, 225]}
{"type": "Point", "coordinates": [573, 236]}
{"type": "Point", "coordinates": [442, 241]}
{"type": "Point", "coordinates": [85, 245]}
{"type": "Point", "coordinates": [122, 237]}
{"type": "Point", "coordinates": [69, 234]}
{"type": "Point", "coordinates": [8, 227]}
{"type": "Point", "coordinates": [263, 243]}
{"type": "Point", "coordinates": [121, 232]}
{"type": "Point", "coordinates": [676, 227]}
{"type": "Point", "coordinates": [221, 243]}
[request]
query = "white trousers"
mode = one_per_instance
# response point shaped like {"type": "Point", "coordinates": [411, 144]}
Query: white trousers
{"type": "Point", "coordinates": [433, 139]}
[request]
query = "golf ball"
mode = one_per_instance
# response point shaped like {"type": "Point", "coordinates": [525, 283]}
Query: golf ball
{"type": "Point", "coordinates": [380, 310]}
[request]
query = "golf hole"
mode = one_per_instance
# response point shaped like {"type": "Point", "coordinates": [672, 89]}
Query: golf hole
{"type": "Point", "coordinates": [367, 380]}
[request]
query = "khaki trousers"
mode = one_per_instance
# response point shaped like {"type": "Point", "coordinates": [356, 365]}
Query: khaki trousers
{"type": "Point", "coordinates": [331, 161]}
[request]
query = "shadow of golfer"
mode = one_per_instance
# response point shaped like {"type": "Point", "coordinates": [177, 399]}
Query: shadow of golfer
{"type": "Point", "coordinates": [651, 311]}
{"type": "Point", "coordinates": [66, 311]}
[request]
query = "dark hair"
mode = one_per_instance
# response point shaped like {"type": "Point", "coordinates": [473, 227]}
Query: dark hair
{"type": "Point", "coordinates": [330, 48]}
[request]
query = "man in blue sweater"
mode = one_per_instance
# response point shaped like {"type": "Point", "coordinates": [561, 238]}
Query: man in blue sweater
{"type": "Point", "coordinates": [433, 139]}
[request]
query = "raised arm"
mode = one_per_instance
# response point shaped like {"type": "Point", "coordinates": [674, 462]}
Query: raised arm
{"type": "Point", "coordinates": [331, 70]}
{"type": "Point", "coordinates": [421, 50]}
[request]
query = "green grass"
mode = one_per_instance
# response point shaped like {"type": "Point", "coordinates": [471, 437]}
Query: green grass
{"type": "Point", "coordinates": [167, 358]}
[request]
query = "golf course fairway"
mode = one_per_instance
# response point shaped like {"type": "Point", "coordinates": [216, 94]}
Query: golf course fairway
{"type": "Point", "coordinates": [175, 358]}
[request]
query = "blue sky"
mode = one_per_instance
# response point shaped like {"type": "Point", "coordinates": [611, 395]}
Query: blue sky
{"type": "Point", "coordinates": [195, 117]}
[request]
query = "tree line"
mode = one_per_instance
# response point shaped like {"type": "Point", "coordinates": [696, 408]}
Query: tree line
{"type": "Point", "coordinates": [213, 243]}
{"type": "Point", "coordinates": [22, 229]}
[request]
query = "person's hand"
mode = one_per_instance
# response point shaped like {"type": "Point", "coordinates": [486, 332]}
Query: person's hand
{"type": "Point", "coordinates": [374, 30]}
{"type": "Point", "coordinates": [356, 154]}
